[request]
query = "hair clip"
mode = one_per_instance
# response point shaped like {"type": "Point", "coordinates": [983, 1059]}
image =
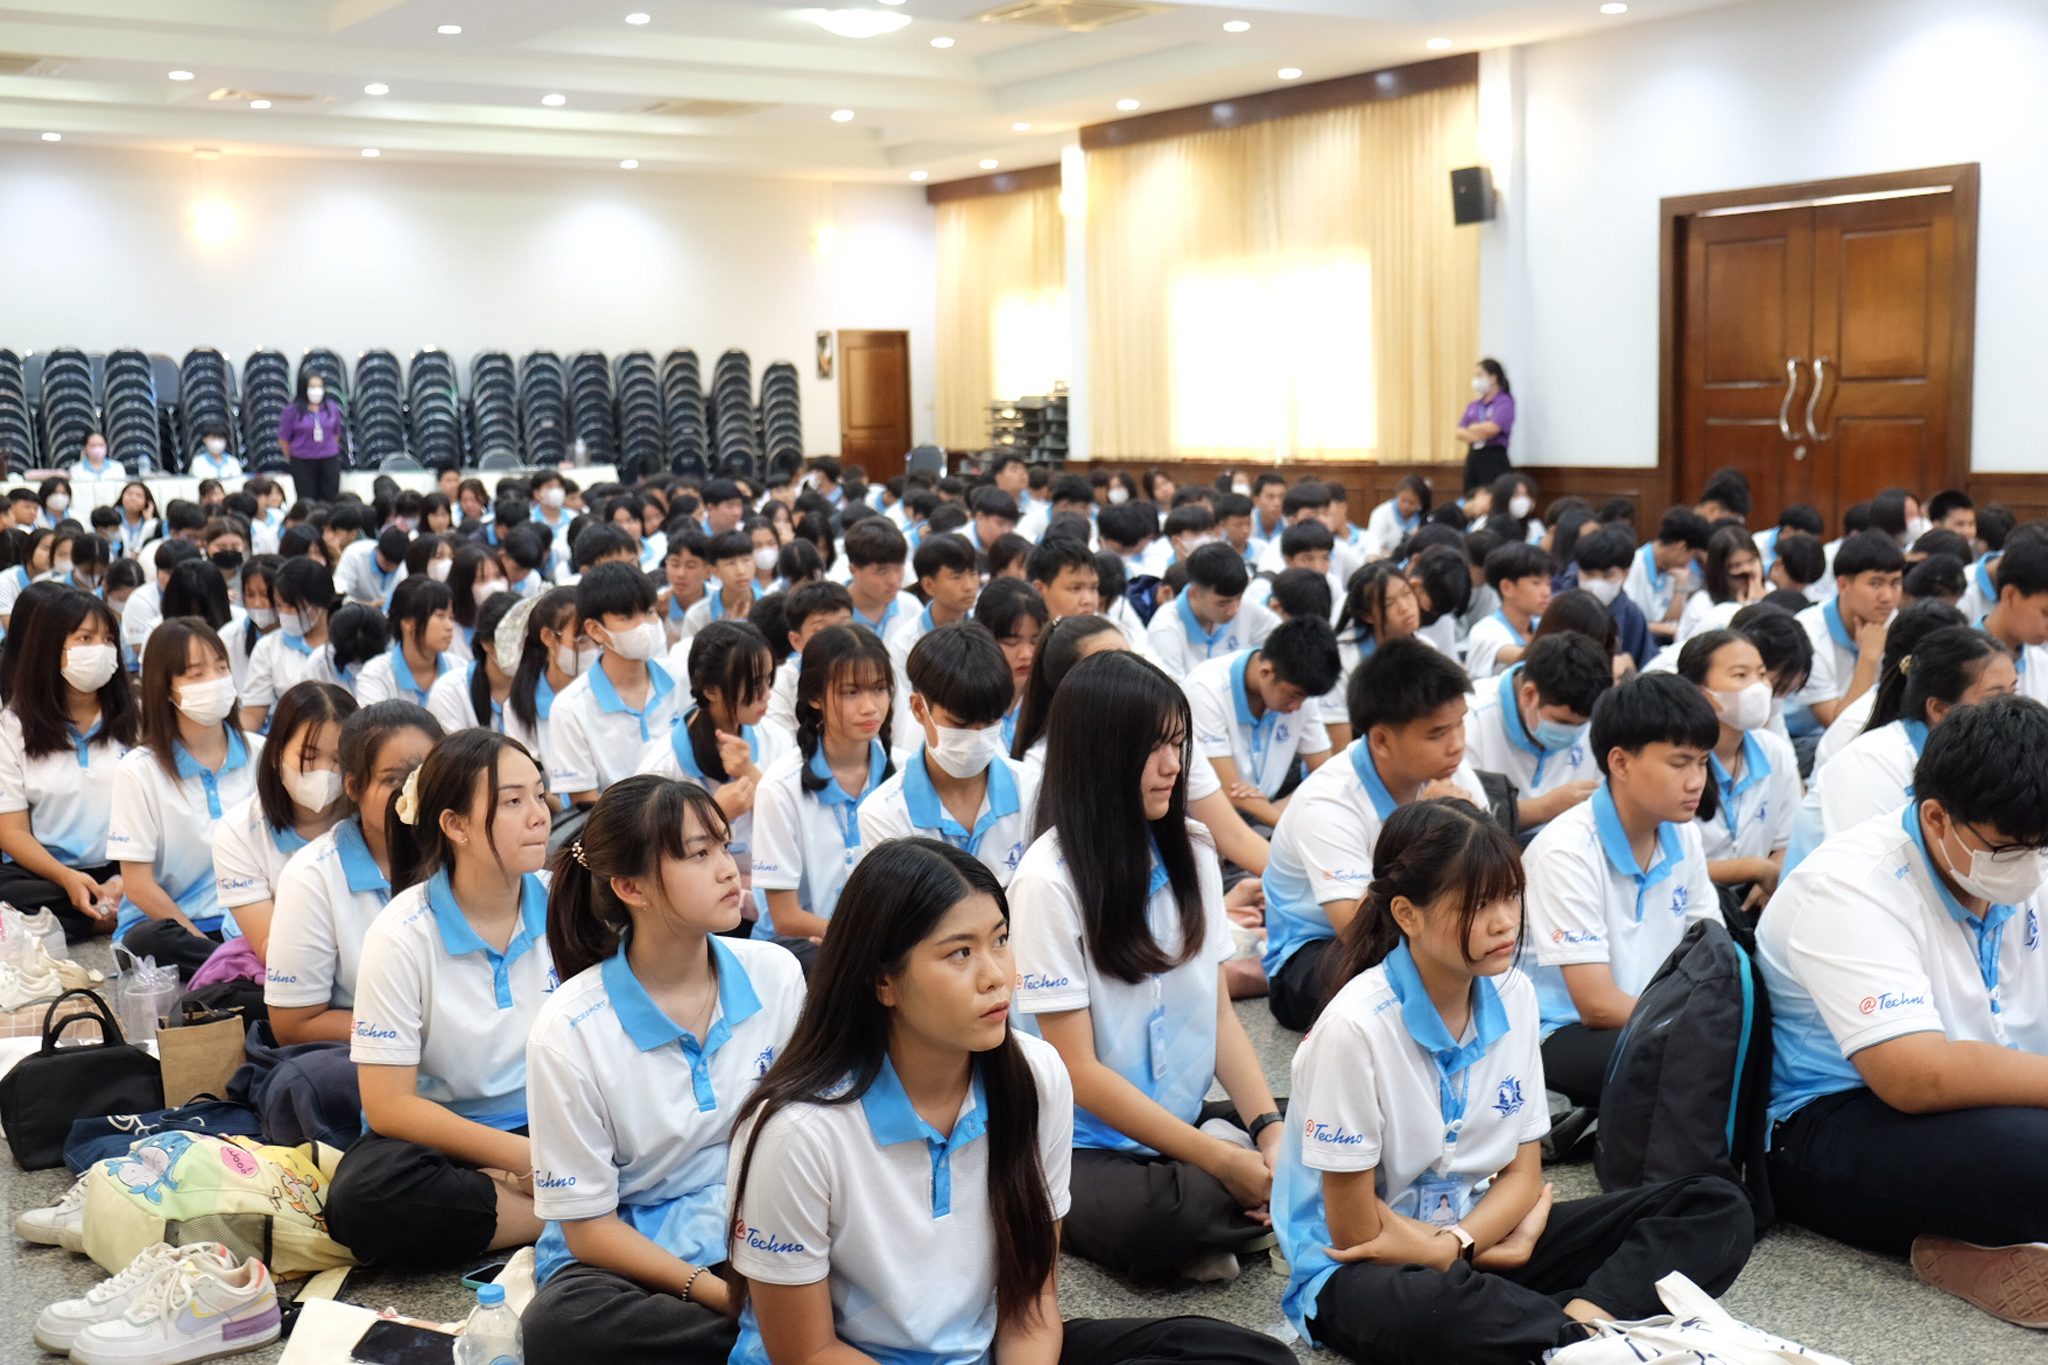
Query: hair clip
{"type": "Point", "coordinates": [576, 852]}
{"type": "Point", "coordinates": [408, 807]}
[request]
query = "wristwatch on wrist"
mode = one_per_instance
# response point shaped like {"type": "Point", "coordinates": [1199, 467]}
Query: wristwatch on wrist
{"type": "Point", "coordinates": [1262, 1123]}
{"type": "Point", "coordinates": [1466, 1246]}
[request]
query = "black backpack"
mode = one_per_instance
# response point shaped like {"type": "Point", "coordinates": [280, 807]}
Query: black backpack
{"type": "Point", "coordinates": [1688, 1088]}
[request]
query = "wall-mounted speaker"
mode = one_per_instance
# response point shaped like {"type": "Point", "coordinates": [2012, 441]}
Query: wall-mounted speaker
{"type": "Point", "coordinates": [1472, 198]}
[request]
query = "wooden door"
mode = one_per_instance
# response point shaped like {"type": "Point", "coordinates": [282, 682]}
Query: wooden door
{"type": "Point", "coordinates": [874, 401]}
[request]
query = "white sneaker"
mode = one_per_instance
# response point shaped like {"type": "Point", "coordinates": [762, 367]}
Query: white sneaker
{"type": "Point", "coordinates": [73, 976]}
{"type": "Point", "coordinates": [196, 1309]}
{"type": "Point", "coordinates": [62, 1224]}
{"type": "Point", "coordinates": [43, 927]}
{"type": "Point", "coordinates": [62, 1322]}
{"type": "Point", "coordinates": [22, 987]}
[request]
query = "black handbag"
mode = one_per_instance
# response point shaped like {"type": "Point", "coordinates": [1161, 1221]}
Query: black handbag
{"type": "Point", "coordinates": [50, 1090]}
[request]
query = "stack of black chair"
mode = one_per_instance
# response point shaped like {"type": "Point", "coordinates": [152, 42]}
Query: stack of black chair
{"type": "Point", "coordinates": [544, 408]}
{"type": "Point", "coordinates": [782, 421]}
{"type": "Point", "coordinates": [433, 410]}
{"type": "Point", "coordinates": [494, 404]}
{"type": "Point", "coordinates": [377, 409]}
{"type": "Point", "coordinates": [737, 429]}
{"type": "Point", "coordinates": [641, 449]}
{"type": "Point", "coordinates": [129, 409]}
{"type": "Point", "coordinates": [682, 410]}
{"type": "Point", "coordinates": [266, 389]}
{"type": "Point", "coordinates": [70, 406]}
{"type": "Point", "coordinates": [591, 415]}
{"type": "Point", "coordinates": [206, 398]}
{"type": "Point", "coordinates": [17, 422]}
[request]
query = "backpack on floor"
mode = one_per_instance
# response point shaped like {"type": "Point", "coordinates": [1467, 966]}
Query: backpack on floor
{"type": "Point", "coordinates": [176, 1187]}
{"type": "Point", "coordinates": [1688, 1086]}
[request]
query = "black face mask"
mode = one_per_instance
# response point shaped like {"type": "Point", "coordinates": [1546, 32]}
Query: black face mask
{"type": "Point", "coordinates": [227, 561]}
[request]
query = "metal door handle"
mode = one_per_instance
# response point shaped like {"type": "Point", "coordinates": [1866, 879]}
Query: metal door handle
{"type": "Point", "coordinates": [1813, 403]}
{"type": "Point", "coordinates": [1785, 408]}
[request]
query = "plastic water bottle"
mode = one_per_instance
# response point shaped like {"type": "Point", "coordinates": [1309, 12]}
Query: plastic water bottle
{"type": "Point", "coordinates": [491, 1336]}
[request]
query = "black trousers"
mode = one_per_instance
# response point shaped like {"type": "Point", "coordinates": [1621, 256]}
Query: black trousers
{"type": "Point", "coordinates": [168, 941]}
{"type": "Point", "coordinates": [1610, 1250]}
{"type": "Point", "coordinates": [1145, 1217]}
{"type": "Point", "coordinates": [411, 1207]}
{"type": "Point", "coordinates": [28, 893]}
{"type": "Point", "coordinates": [587, 1314]}
{"type": "Point", "coordinates": [1484, 464]}
{"type": "Point", "coordinates": [1169, 1341]}
{"type": "Point", "coordinates": [1575, 1062]}
{"type": "Point", "coordinates": [1296, 992]}
{"type": "Point", "coordinates": [1851, 1167]}
{"type": "Point", "coordinates": [316, 480]}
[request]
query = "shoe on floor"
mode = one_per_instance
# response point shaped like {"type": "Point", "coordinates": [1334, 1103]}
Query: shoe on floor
{"type": "Point", "coordinates": [196, 1309]}
{"type": "Point", "coordinates": [62, 1322]}
{"type": "Point", "coordinates": [62, 1224]}
{"type": "Point", "coordinates": [1214, 1267]}
{"type": "Point", "coordinates": [2006, 1282]}
{"type": "Point", "coordinates": [21, 987]}
{"type": "Point", "coordinates": [73, 976]}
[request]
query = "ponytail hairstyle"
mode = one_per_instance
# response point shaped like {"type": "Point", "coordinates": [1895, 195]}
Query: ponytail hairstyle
{"type": "Point", "coordinates": [635, 825]}
{"type": "Point", "coordinates": [356, 634]}
{"type": "Point", "coordinates": [1942, 667]}
{"type": "Point", "coordinates": [488, 617]}
{"type": "Point", "coordinates": [1915, 622]}
{"type": "Point", "coordinates": [837, 655]}
{"type": "Point", "coordinates": [553, 610]}
{"type": "Point", "coordinates": [1111, 712]}
{"type": "Point", "coordinates": [460, 766]}
{"type": "Point", "coordinates": [1427, 851]}
{"type": "Point", "coordinates": [733, 658]}
{"type": "Point", "coordinates": [1365, 596]}
{"type": "Point", "coordinates": [1059, 649]}
{"type": "Point", "coordinates": [894, 899]}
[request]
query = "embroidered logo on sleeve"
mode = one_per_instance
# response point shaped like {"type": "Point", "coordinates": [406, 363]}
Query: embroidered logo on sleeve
{"type": "Point", "coordinates": [1509, 1100]}
{"type": "Point", "coordinates": [1889, 1000]}
{"type": "Point", "coordinates": [764, 1241]}
{"type": "Point", "coordinates": [1331, 1134]}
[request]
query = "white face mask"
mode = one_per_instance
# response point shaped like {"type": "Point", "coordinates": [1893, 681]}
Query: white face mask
{"type": "Point", "coordinates": [62, 568]}
{"type": "Point", "coordinates": [437, 569]}
{"type": "Point", "coordinates": [764, 560]}
{"type": "Point", "coordinates": [1480, 383]}
{"type": "Point", "coordinates": [315, 788]}
{"type": "Point", "coordinates": [643, 641]}
{"type": "Point", "coordinates": [264, 617]}
{"type": "Point", "coordinates": [553, 496]}
{"type": "Point", "coordinates": [1604, 590]}
{"type": "Point", "coordinates": [90, 667]}
{"type": "Point", "coordinates": [963, 753]}
{"type": "Point", "coordinates": [408, 524]}
{"type": "Point", "coordinates": [1747, 708]}
{"type": "Point", "coordinates": [59, 501]}
{"type": "Point", "coordinates": [215, 445]}
{"type": "Point", "coordinates": [315, 396]}
{"type": "Point", "coordinates": [1520, 506]}
{"type": "Point", "coordinates": [1241, 488]}
{"type": "Point", "coordinates": [206, 703]}
{"type": "Point", "coordinates": [96, 454]}
{"type": "Point", "coordinates": [1916, 528]}
{"type": "Point", "coordinates": [574, 661]}
{"type": "Point", "coordinates": [1119, 494]}
{"type": "Point", "coordinates": [483, 592]}
{"type": "Point", "coordinates": [293, 624]}
{"type": "Point", "coordinates": [2000, 880]}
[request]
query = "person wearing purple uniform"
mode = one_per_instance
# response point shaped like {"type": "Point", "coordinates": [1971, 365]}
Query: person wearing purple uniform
{"type": "Point", "coordinates": [1488, 420]}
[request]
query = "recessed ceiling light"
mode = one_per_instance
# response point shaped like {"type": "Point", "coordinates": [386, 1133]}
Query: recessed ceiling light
{"type": "Point", "coordinates": [59, 137]}
{"type": "Point", "coordinates": [1127, 105]}
{"type": "Point", "coordinates": [449, 30]}
{"type": "Point", "coordinates": [371, 151]}
{"type": "Point", "coordinates": [1020, 127]}
{"type": "Point", "coordinates": [920, 175]}
{"type": "Point", "coordinates": [942, 42]}
{"type": "Point", "coordinates": [842, 115]}
{"type": "Point", "coordinates": [1237, 26]}
{"type": "Point", "coordinates": [892, 2]}
{"type": "Point", "coordinates": [376, 88]}
{"type": "Point", "coordinates": [181, 75]}
{"type": "Point", "coordinates": [1290, 73]}
{"type": "Point", "coordinates": [988, 163]}
{"type": "Point", "coordinates": [1615, 8]}
{"type": "Point", "coordinates": [554, 101]}
{"type": "Point", "coordinates": [629, 165]}
{"type": "Point", "coordinates": [859, 23]}
{"type": "Point", "coordinates": [259, 104]}
{"type": "Point", "coordinates": [1437, 44]}
{"type": "Point", "coordinates": [639, 18]}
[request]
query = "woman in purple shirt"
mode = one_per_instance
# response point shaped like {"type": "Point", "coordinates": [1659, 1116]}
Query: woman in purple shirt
{"type": "Point", "coordinates": [309, 429]}
{"type": "Point", "coordinates": [1488, 420]}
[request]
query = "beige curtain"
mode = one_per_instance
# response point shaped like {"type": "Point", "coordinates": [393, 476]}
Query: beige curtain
{"type": "Point", "coordinates": [1002, 307]}
{"type": "Point", "coordinates": [1291, 289]}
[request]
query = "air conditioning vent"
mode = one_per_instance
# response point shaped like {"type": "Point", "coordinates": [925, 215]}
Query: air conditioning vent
{"type": "Point", "coordinates": [1075, 16]}
{"type": "Point", "coordinates": [703, 108]}
{"type": "Point", "coordinates": [244, 96]}
{"type": "Point", "coordinates": [21, 64]}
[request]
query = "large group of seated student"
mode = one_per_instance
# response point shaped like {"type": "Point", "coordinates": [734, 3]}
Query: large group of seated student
{"type": "Point", "coordinates": [755, 896]}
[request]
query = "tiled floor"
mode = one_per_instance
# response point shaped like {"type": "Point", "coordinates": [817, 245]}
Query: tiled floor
{"type": "Point", "coordinates": [1863, 1308]}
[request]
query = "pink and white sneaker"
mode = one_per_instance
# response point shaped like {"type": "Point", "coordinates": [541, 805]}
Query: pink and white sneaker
{"type": "Point", "coordinates": [61, 1323]}
{"type": "Point", "coordinates": [195, 1310]}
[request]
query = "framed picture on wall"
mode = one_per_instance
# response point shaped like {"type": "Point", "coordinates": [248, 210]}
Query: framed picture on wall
{"type": "Point", "coordinates": [824, 355]}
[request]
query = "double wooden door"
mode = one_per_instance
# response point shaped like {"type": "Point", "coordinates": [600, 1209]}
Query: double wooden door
{"type": "Point", "coordinates": [1822, 341]}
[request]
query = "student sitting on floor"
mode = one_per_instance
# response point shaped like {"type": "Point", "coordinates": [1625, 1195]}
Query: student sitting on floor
{"type": "Point", "coordinates": [604, 720]}
{"type": "Point", "coordinates": [1756, 776]}
{"type": "Point", "coordinates": [421, 618]}
{"type": "Point", "coordinates": [1530, 725]}
{"type": "Point", "coordinates": [1210, 617]}
{"type": "Point", "coordinates": [1663, 572]}
{"type": "Point", "coordinates": [1253, 718]}
{"type": "Point", "coordinates": [899, 1177]}
{"type": "Point", "coordinates": [475, 693]}
{"type": "Point", "coordinates": [730, 592]}
{"type": "Point", "coordinates": [298, 650]}
{"type": "Point", "coordinates": [1615, 880]}
{"type": "Point", "coordinates": [1011, 611]}
{"type": "Point", "coordinates": [637, 1065]}
{"type": "Point", "coordinates": [1410, 1198]}
{"type": "Point", "coordinates": [1848, 629]}
{"type": "Point", "coordinates": [454, 972]}
{"type": "Point", "coordinates": [1909, 1089]}
{"type": "Point", "coordinates": [1120, 938]}
{"type": "Point", "coordinates": [1521, 575]}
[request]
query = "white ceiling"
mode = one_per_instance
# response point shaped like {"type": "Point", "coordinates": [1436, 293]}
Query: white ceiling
{"type": "Point", "coordinates": [477, 96]}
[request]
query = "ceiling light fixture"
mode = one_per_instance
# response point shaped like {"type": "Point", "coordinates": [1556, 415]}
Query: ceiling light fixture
{"type": "Point", "coordinates": [449, 30]}
{"type": "Point", "coordinates": [181, 75]}
{"type": "Point", "coordinates": [842, 115]}
{"type": "Point", "coordinates": [920, 175]}
{"type": "Point", "coordinates": [376, 88]}
{"type": "Point", "coordinates": [1127, 105]}
{"type": "Point", "coordinates": [1020, 127]}
{"type": "Point", "coordinates": [892, 2]}
{"type": "Point", "coordinates": [859, 23]}
{"type": "Point", "coordinates": [629, 165]}
{"type": "Point", "coordinates": [988, 163]}
{"type": "Point", "coordinates": [942, 42]}
{"type": "Point", "coordinates": [59, 137]}
{"type": "Point", "coordinates": [1437, 44]}
{"type": "Point", "coordinates": [1615, 8]}
{"type": "Point", "coordinates": [554, 101]}
{"type": "Point", "coordinates": [639, 18]}
{"type": "Point", "coordinates": [1237, 26]}
{"type": "Point", "coordinates": [371, 151]}
{"type": "Point", "coordinates": [259, 104]}
{"type": "Point", "coordinates": [1290, 73]}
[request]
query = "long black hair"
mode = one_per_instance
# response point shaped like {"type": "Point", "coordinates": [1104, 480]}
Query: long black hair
{"type": "Point", "coordinates": [304, 705]}
{"type": "Point", "coordinates": [732, 658]}
{"type": "Point", "coordinates": [552, 610]}
{"type": "Point", "coordinates": [1943, 666]}
{"type": "Point", "coordinates": [1059, 649]}
{"type": "Point", "coordinates": [637, 823]}
{"type": "Point", "coordinates": [894, 900]}
{"type": "Point", "coordinates": [837, 654]}
{"type": "Point", "coordinates": [1914, 623]}
{"type": "Point", "coordinates": [447, 781]}
{"type": "Point", "coordinates": [1109, 715]}
{"type": "Point", "coordinates": [1365, 599]}
{"type": "Point", "coordinates": [37, 642]}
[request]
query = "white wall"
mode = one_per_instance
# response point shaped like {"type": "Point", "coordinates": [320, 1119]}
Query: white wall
{"type": "Point", "coordinates": [101, 249]}
{"type": "Point", "coordinates": [1754, 95]}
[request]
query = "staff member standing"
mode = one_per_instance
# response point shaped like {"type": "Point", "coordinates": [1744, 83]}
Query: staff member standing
{"type": "Point", "coordinates": [309, 429]}
{"type": "Point", "coordinates": [1486, 425]}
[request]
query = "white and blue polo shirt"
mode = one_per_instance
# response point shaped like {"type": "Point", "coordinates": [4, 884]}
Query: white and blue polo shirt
{"type": "Point", "coordinates": [906, 805]}
{"type": "Point", "coordinates": [1871, 775]}
{"type": "Point", "coordinates": [671, 755]}
{"type": "Point", "coordinates": [168, 822]}
{"type": "Point", "coordinates": [808, 841]}
{"type": "Point", "coordinates": [1265, 748]}
{"type": "Point", "coordinates": [1756, 807]}
{"type": "Point", "coordinates": [595, 738]}
{"type": "Point", "coordinates": [389, 677]}
{"type": "Point", "coordinates": [249, 856]}
{"type": "Point", "coordinates": [67, 794]}
{"type": "Point", "coordinates": [1487, 639]}
{"type": "Point", "coordinates": [1497, 740]}
{"type": "Point", "coordinates": [328, 896]}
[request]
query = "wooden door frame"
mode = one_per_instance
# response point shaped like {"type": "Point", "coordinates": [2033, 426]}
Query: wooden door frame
{"type": "Point", "coordinates": [1961, 181]}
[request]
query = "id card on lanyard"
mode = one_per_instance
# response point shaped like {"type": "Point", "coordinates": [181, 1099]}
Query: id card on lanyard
{"type": "Point", "coordinates": [1155, 1030]}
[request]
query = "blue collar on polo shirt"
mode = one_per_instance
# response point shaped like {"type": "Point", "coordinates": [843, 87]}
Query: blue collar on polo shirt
{"type": "Point", "coordinates": [1986, 587]}
{"type": "Point", "coordinates": [650, 1028]}
{"type": "Point", "coordinates": [497, 707]}
{"type": "Point", "coordinates": [288, 840]}
{"type": "Point", "coordinates": [1383, 802]}
{"type": "Point", "coordinates": [1258, 531]}
{"type": "Point", "coordinates": [1432, 1035]}
{"type": "Point", "coordinates": [1512, 723]}
{"type": "Point", "coordinates": [892, 1119]}
{"type": "Point", "coordinates": [660, 684]}
{"type": "Point", "coordinates": [83, 742]}
{"type": "Point", "coordinates": [358, 864]}
{"type": "Point", "coordinates": [297, 642]}
{"type": "Point", "coordinates": [928, 812]}
{"type": "Point", "coordinates": [188, 767]}
{"type": "Point", "coordinates": [676, 609]}
{"type": "Point", "coordinates": [458, 938]}
{"type": "Point", "coordinates": [686, 757]}
{"type": "Point", "coordinates": [1243, 702]}
{"type": "Point", "coordinates": [835, 795]}
{"type": "Point", "coordinates": [1622, 858]}
{"type": "Point", "coordinates": [880, 627]}
{"type": "Point", "coordinates": [1501, 615]}
{"type": "Point", "coordinates": [1159, 876]}
{"type": "Point", "coordinates": [717, 599]}
{"type": "Point", "coordinates": [1986, 930]}
{"type": "Point", "coordinates": [1838, 630]}
{"type": "Point", "coordinates": [1659, 579]}
{"type": "Point", "coordinates": [543, 696]}
{"type": "Point", "coordinates": [1208, 639]}
{"type": "Point", "coordinates": [1755, 768]}
{"type": "Point", "coordinates": [401, 673]}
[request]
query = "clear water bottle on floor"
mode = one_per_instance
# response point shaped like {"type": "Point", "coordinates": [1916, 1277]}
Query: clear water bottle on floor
{"type": "Point", "coordinates": [491, 1336]}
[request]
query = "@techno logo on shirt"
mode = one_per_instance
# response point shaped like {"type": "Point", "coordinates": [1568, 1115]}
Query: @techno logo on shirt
{"type": "Point", "coordinates": [1573, 936]}
{"type": "Point", "coordinates": [548, 1180]}
{"type": "Point", "coordinates": [1889, 1000]}
{"type": "Point", "coordinates": [764, 1241]}
{"type": "Point", "coordinates": [1038, 981]}
{"type": "Point", "coordinates": [1331, 1134]}
{"type": "Point", "coordinates": [366, 1029]}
